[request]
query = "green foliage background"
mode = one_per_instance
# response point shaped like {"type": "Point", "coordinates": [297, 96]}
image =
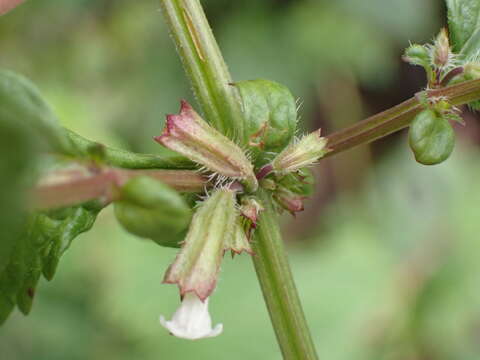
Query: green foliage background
{"type": "Point", "coordinates": [386, 264]}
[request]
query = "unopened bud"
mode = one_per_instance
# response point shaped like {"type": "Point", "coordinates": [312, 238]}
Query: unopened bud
{"type": "Point", "coordinates": [150, 209]}
{"type": "Point", "coordinates": [288, 200]}
{"type": "Point", "coordinates": [300, 154]}
{"type": "Point", "coordinates": [238, 242]}
{"type": "Point", "coordinates": [417, 55]}
{"type": "Point", "coordinates": [251, 209]}
{"type": "Point", "coordinates": [472, 71]}
{"type": "Point", "coordinates": [188, 134]}
{"type": "Point", "coordinates": [441, 50]}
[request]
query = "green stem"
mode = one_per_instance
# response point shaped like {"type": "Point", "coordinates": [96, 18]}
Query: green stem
{"type": "Point", "coordinates": [278, 287]}
{"type": "Point", "coordinates": [204, 65]}
{"type": "Point", "coordinates": [210, 79]}
{"type": "Point", "coordinates": [398, 117]}
{"type": "Point", "coordinates": [80, 146]}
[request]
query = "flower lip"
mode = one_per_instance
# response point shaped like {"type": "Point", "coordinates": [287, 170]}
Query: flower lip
{"type": "Point", "coordinates": [192, 320]}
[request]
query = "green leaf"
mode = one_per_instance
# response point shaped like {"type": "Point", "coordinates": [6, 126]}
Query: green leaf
{"type": "Point", "coordinates": [271, 114]}
{"type": "Point", "coordinates": [151, 209]}
{"type": "Point", "coordinates": [22, 103]}
{"type": "Point", "coordinates": [17, 155]}
{"type": "Point", "coordinates": [45, 237]}
{"type": "Point", "coordinates": [431, 138]}
{"type": "Point", "coordinates": [464, 26]}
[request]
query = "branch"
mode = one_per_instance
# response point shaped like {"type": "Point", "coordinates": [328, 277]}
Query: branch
{"type": "Point", "coordinates": [126, 159]}
{"type": "Point", "coordinates": [278, 287]}
{"type": "Point", "coordinates": [73, 188]}
{"type": "Point", "coordinates": [398, 117]}
{"type": "Point", "coordinates": [209, 77]}
{"type": "Point", "coordinates": [204, 65]}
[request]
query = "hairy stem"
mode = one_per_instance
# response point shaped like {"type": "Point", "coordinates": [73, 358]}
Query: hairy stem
{"type": "Point", "coordinates": [204, 65]}
{"type": "Point", "coordinates": [75, 188]}
{"type": "Point", "coordinates": [278, 287]}
{"type": "Point", "coordinates": [210, 79]}
{"type": "Point", "coordinates": [126, 159]}
{"type": "Point", "coordinates": [398, 117]}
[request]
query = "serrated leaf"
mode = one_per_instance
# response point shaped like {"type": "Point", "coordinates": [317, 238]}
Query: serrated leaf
{"type": "Point", "coordinates": [431, 138]}
{"type": "Point", "coordinates": [151, 209]}
{"type": "Point", "coordinates": [464, 26]}
{"type": "Point", "coordinates": [271, 114]}
{"type": "Point", "coordinates": [17, 156]}
{"type": "Point", "coordinates": [46, 236]}
{"type": "Point", "coordinates": [59, 229]}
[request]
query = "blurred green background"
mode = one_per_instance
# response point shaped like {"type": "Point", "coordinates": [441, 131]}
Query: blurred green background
{"type": "Point", "coordinates": [386, 253]}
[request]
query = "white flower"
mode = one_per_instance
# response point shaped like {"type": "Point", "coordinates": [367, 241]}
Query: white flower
{"type": "Point", "coordinates": [192, 320]}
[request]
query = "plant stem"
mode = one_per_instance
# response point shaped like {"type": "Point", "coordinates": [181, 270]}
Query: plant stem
{"type": "Point", "coordinates": [204, 65]}
{"type": "Point", "coordinates": [80, 146]}
{"type": "Point", "coordinates": [398, 117]}
{"type": "Point", "coordinates": [75, 188]}
{"type": "Point", "coordinates": [278, 287]}
{"type": "Point", "coordinates": [209, 76]}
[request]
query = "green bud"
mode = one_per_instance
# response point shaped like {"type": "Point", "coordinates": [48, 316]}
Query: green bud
{"type": "Point", "coordinates": [431, 137]}
{"type": "Point", "coordinates": [270, 113]}
{"type": "Point", "coordinates": [417, 55]}
{"type": "Point", "coordinates": [300, 154]}
{"type": "Point", "coordinates": [151, 209]}
{"type": "Point", "coordinates": [196, 266]}
{"type": "Point", "coordinates": [472, 71]}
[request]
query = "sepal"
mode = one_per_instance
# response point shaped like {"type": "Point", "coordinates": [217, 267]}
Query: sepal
{"type": "Point", "coordinates": [188, 134]}
{"type": "Point", "coordinates": [196, 266]}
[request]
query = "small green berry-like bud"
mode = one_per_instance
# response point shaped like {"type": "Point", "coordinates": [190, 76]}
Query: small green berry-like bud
{"type": "Point", "coordinates": [151, 209]}
{"type": "Point", "coordinates": [431, 137]}
{"type": "Point", "coordinates": [270, 114]}
{"type": "Point", "coordinates": [300, 154]}
{"type": "Point", "coordinates": [196, 266]}
{"type": "Point", "coordinates": [188, 134]}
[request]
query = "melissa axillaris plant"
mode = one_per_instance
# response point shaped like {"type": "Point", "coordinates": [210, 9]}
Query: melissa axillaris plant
{"type": "Point", "coordinates": [237, 162]}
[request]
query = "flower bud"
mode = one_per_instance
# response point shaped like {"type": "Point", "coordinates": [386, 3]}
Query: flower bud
{"type": "Point", "coordinates": [196, 266]}
{"type": "Point", "coordinates": [417, 55]}
{"type": "Point", "coordinates": [288, 200]}
{"type": "Point", "coordinates": [472, 71]}
{"type": "Point", "coordinates": [250, 209]}
{"type": "Point", "coordinates": [441, 55]}
{"type": "Point", "coordinates": [188, 134]}
{"type": "Point", "coordinates": [238, 242]}
{"type": "Point", "coordinates": [150, 209]}
{"type": "Point", "coordinates": [431, 137]}
{"type": "Point", "coordinates": [301, 154]}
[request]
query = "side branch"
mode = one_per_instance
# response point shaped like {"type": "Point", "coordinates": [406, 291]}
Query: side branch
{"type": "Point", "coordinates": [73, 188]}
{"type": "Point", "coordinates": [398, 117]}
